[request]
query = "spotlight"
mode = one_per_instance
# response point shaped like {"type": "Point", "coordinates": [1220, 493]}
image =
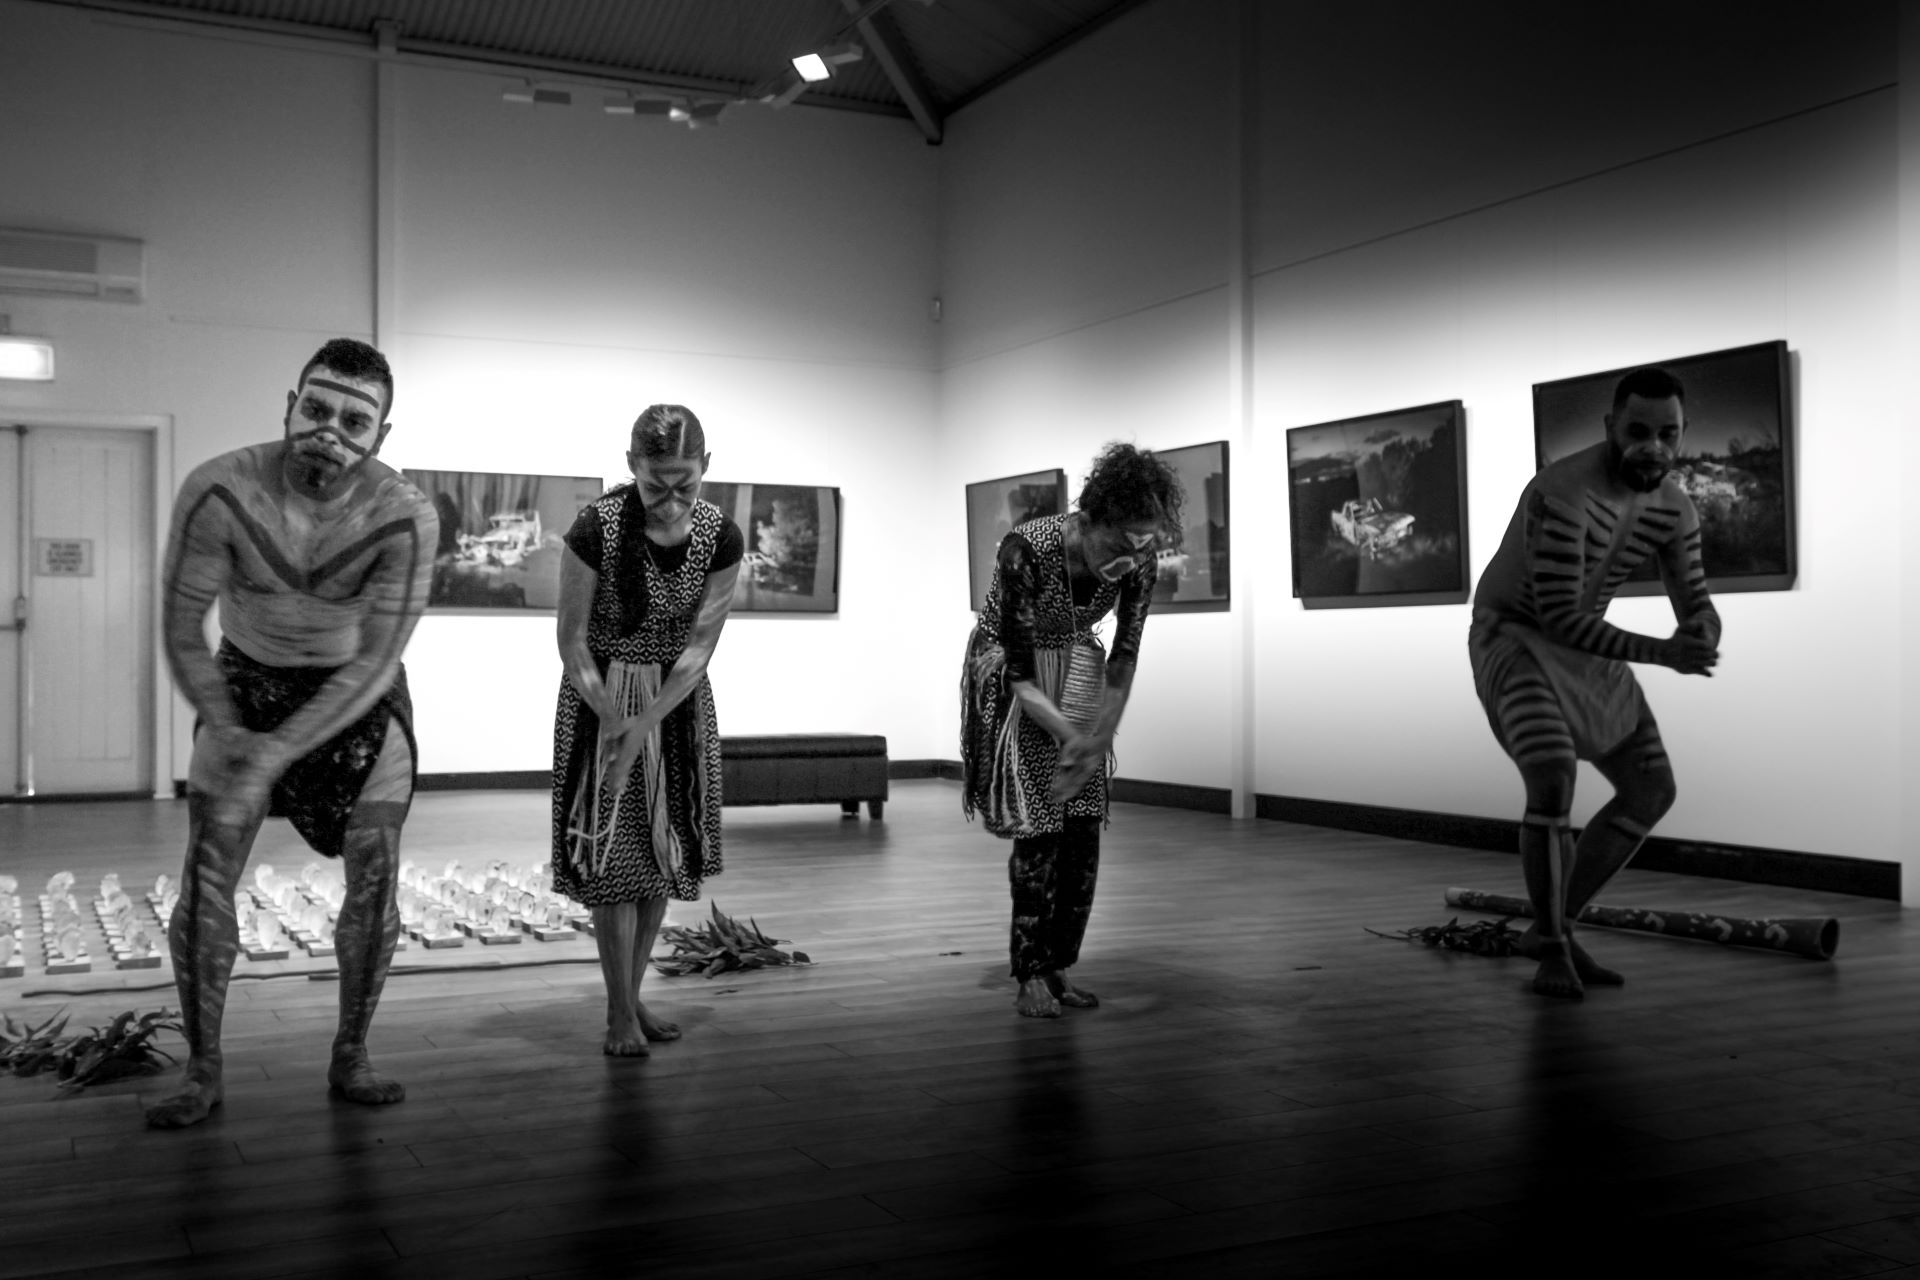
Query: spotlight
{"type": "Point", "coordinates": [679, 112]}
{"type": "Point", "coordinates": [818, 65]}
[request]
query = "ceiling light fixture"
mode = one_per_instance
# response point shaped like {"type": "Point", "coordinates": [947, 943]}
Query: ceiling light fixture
{"type": "Point", "coordinates": [527, 91]}
{"type": "Point", "coordinates": [818, 64]}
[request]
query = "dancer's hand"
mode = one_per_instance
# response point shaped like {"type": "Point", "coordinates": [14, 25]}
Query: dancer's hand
{"type": "Point", "coordinates": [620, 744]}
{"type": "Point", "coordinates": [1691, 650]}
{"type": "Point", "coordinates": [236, 768]}
{"type": "Point", "coordinates": [219, 756]}
{"type": "Point", "coordinates": [1080, 756]}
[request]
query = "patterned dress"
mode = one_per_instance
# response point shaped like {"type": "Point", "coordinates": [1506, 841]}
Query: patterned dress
{"type": "Point", "coordinates": [1034, 605]}
{"type": "Point", "coordinates": [643, 611]}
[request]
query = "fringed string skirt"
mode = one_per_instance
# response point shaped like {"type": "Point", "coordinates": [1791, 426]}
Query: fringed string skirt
{"type": "Point", "coordinates": [659, 837]}
{"type": "Point", "coordinates": [1008, 760]}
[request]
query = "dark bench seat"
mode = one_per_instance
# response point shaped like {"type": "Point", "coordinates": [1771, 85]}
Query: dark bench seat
{"type": "Point", "coordinates": [805, 768]}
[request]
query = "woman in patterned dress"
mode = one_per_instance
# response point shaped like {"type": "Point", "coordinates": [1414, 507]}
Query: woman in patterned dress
{"type": "Point", "coordinates": [1038, 713]}
{"type": "Point", "coordinates": [636, 747]}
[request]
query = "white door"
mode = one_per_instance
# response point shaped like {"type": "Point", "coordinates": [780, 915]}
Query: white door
{"type": "Point", "coordinates": [86, 572]}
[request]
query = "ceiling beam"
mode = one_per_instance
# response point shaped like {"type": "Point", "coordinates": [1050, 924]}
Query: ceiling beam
{"type": "Point", "coordinates": [883, 39]}
{"type": "Point", "coordinates": [1034, 59]}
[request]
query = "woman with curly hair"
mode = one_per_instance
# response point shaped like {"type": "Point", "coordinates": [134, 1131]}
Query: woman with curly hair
{"type": "Point", "coordinates": [1040, 701]}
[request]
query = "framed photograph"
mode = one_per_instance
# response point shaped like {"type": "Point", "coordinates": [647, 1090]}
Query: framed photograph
{"type": "Point", "coordinates": [1195, 576]}
{"type": "Point", "coordinates": [1380, 508]}
{"type": "Point", "coordinates": [792, 532]}
{"type": "Point", "coordinates": [501, 536]}
{"type": "Point", "coordinates": [1736, 458]}
{"type": "Point", "coordinates": [995, 506]}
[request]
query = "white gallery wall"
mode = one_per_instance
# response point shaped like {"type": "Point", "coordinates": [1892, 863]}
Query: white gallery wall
{"type": "Point", "coordinates": [1644, 184]}
{"type": "Point", "coordinates": [1085, 300]}
{"type": "Point", "coordinates": [558, 270]}
{"type": "Point", "coordinates": [555, 270]}
{"type": "Point", "coordinates": [1456, 202]}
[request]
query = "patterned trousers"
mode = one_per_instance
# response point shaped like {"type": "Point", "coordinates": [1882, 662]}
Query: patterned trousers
{"type": "Point", "coordinates": [1052, 877]}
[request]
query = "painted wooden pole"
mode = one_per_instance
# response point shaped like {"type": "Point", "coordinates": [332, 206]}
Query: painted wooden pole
{"type": "Point", "coordinates": [1812, 937]}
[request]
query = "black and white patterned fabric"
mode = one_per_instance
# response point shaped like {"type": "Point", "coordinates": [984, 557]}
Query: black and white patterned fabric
{"type": "Point", "coordinates": [1033, 604]}
{"type": "Point", "coordinates": [643, 613]}
{"type": "Point", "coordinates": [1052, 879]}
{"type": "Point", "coordinates": [320, 791]}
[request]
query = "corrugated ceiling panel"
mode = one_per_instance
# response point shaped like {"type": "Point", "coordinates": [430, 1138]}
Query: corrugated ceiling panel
{"type": "Point", "coordinates": [957, 45]}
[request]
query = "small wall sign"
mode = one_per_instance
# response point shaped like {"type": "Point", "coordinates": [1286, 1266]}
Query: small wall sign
{"type": "Point", "coordinates": [63, 557]}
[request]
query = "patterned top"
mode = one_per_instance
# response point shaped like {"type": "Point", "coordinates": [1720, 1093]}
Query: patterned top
{"type": "Point", "coordinates": [1569, 550]}
{"type": "Point", "coordinates": [642, 616]}
{"type": "Point", "coordinates": [1034, 603]}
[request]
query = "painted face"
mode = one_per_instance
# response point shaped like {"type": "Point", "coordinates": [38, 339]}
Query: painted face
{"type": "Point", "coordinates": [1114, 551]}
{"type": "Point", "coordinates": [1643, 440]}
{"type": "Point", "coordinates": [668, 487]}
{"type": "Point", "coordinates": [333, 426]}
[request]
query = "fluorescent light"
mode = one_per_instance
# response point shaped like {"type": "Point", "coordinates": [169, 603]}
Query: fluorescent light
{"type": "Point", "coordinates": [26, 359]}
{"type": "Point", "coordinates": [532, 93]}
{"type": "Point", "coordinates": [812, 67]}
{"type": "Point", "coordinates": [617, 105]}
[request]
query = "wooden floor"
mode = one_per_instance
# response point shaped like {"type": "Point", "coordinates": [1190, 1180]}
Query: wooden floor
{"type": "Point", "coordinates": [1268, 1090]}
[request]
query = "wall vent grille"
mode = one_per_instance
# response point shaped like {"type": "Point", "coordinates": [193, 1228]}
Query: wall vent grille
{"type": "Point", "coordinates": [105, 267]}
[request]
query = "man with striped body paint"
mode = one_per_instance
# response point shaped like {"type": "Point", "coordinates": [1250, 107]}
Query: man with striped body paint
{"type": "Point", "coordinates": [320, 556]}
{"type": "Point", "coordinates": [1552, 672]}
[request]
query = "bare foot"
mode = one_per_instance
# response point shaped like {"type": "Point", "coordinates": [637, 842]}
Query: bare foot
{"type": "Point", "coordinates": [1556, 976]}
{"type": "Point", "coordinates": [199, 1094]}
{"type": "Point", "coordinates": [1035, 1001]}
{"type": "Point", "coordinates": [625, 1039]}
{"type": "Point", "coordinates": [354, 1079]}
{"type": "Point", "coordinates": [1069, 995]}
{"type": "Point", "coordinates": [657, 1028]}
{"type": "Point", "coordinates": [1591, 971]}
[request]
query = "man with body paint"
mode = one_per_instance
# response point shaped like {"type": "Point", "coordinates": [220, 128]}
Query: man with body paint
{"type": "Point", "coordinates": [1552, 672]}
{"type": "Point", "coordinates": [320, 556]}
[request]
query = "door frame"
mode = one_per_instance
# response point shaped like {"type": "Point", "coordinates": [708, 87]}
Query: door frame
{"type": "Point", "coordinates": [165, 702]}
